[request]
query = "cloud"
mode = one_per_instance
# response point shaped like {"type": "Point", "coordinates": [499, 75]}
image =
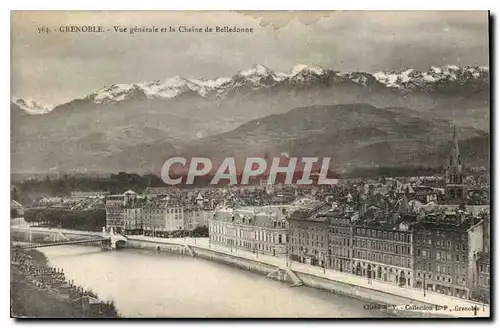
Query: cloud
{"type": "Point", "coordinates": [58, 67]}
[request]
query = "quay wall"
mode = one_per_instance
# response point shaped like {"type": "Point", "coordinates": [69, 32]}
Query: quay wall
{"type": "Point", "coordinates": [234, 260]}
{"type": "Point", "coordinates": [355, 291]}
{"type": "Point", "coordinates": [162, 246]}
{"type": "Point", "coordinates": [253, 265]}
{"type": "Point", "coordinates": [338, 287]}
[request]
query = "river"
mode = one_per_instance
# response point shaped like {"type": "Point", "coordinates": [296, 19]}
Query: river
{"type": "Point", "coordinates": [145, 284]}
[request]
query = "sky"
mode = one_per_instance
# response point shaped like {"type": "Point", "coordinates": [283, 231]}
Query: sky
{"type": "Point", "coordinates": [53, 68]}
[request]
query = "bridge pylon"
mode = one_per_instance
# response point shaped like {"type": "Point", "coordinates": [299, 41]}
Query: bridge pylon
{"type": "Point", "coordinates": [115, 240]}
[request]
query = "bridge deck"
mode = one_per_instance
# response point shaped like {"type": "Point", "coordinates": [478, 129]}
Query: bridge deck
{"type": "Point", "coordinates": [71, 242]}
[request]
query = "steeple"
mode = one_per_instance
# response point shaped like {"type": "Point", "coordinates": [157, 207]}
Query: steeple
{"type": "Point", "coordinates": [455, 152]}
{"type": "Point", "coordinates": [455, 191]}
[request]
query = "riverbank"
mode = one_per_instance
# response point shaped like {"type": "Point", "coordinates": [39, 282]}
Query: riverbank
{"type": "Point", "coordinates": [404, 301]}
{"type": "Point", "coordinates": [40, 291]}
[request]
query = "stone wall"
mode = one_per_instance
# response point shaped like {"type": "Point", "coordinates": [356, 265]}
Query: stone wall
{"type": "Point", "coordinates": [155, 246]}
{"type": "Point", "coordinates": [367, 294]}
{"type": "Point", "coordinates": [233, 260]}
{"type": "Point", "coordinates": [355, 291]}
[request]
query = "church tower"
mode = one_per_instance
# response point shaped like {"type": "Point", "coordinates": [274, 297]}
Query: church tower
{"type": "Point", "coordinates": [455, 190]}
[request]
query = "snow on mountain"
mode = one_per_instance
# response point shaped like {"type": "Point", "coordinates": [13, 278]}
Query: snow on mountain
{"type": "Point", "coordinates": [165, 89]}
{"type": "Point", "coordinates": [300, 68]}
{"type": "Point", "coordinates": [256, 70]}
{"type": "Point", "coordinates": [256, 76]}
{"type": "Point", "coordinates": [260, 77]}
{"type": "Point", "coordinates": [32, 107]}
{"type": "Point", "coordinates": [412, 79]}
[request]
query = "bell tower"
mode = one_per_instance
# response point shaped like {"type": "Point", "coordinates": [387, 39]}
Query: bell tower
{"type": "Point", "coordinates": [455, 190]}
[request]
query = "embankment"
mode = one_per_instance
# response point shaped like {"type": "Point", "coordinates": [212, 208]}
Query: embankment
{"type": "Point", "coordinates": [277, 270]}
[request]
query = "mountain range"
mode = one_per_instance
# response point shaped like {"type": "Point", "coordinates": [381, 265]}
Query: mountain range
{"type": "Point", "coordinates": [396, 117]}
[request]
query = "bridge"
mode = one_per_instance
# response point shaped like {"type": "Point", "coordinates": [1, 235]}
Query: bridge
{"type": "Point", "coordinates": [71, 242]}
{"type": "Point", "coordinates": [107, 238]}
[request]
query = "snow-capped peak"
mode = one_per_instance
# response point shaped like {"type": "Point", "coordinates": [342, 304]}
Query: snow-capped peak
{"type": "Point", "coordinates": [32, 107]}
{"type": "Point", "coordinates": [413, 79]}
{"type": "Point", "coordinates": [259, 77]}
{"type": "Point", "coordinates": [257, 69]}
{"type": "Point", "coordinates": [301, 68]}
{"type": "Point", "coordinates": [114, 93]}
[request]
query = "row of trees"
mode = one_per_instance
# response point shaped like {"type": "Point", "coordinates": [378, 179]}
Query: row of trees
{"type": "Point", "coordinates": [88, 220]}
{"type": "Point", "coordinates": [26, 191]}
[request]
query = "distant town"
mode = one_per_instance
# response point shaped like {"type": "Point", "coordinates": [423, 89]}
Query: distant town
{"type": "Point", "coordinates": [426, 232]}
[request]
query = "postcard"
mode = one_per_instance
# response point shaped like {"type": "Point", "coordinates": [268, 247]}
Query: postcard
{"type": "Point", "coordinates": [250, 164]}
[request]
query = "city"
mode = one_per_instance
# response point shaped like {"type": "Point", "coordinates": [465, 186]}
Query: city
{"type": "Point", "coordinates": [429, 233]}
{"type": "Point", "coordinates": [251, 164]}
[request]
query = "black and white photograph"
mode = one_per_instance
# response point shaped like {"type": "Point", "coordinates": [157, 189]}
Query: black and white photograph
{"type": "Point", "coordinates": [250, 164]}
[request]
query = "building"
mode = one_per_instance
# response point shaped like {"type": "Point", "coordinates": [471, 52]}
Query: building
{"type": "Point", "coordinates": [455, 189]}
{"type": "Point", "coordinates": [445, 245]}
{"type": "Point", "coordinates": [162, 216]}
{"type": "Point", "coordinates": [271, 231]}
{"type": "Point", "coordinates": [309, 235]}
{"type": "Point", "coordinates": [133, 216]}
{"type": "Point", "coordinates": [197, 217]}
{"type": "Point", "coordinates": [481, 290]}
{"type": "Point", "coordinates": [383, 250]}
{"type": "Point", "coordinates": [339, 240]}
{"type": "Point", "coordinates": [88, 194]}
{"type": "Point", "coordinates": [16, 210]}
{"type": "Point", "coordinates": [382, 242]}
{"type": "Point", "coordinates": [259, 229]}
{"type": "Point", "coordinates": [115, 210]}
